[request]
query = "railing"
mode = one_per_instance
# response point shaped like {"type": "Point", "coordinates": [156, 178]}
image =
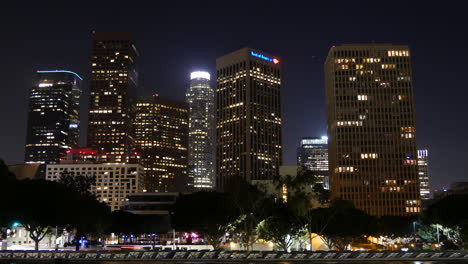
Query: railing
{"type": "Point", "coordinates": [194, 255]}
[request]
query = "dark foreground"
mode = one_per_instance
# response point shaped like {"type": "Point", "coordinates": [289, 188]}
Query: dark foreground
{"type": "Point", "coordinates": [228, 262]}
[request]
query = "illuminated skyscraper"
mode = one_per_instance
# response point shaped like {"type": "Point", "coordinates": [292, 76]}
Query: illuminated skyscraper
{"type": "Point", "coordinates": [423, 158]}
{"type": "Point", "coordinates": [200, 98]}
{"type": "Point", "coordinates": [248, 111]}
{"type": "Point", "coordinates": [313, 154]}
{"type": "Point", "coordinates": [161, 136]}
{"type": "Point", "coordinates": [371, 128]}
{"type": "Point", "coordinates": [112, 91]}
{"type": "Point", "coordinates": [53, 116]}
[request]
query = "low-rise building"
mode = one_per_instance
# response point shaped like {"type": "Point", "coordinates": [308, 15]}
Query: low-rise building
{"type": "Point", "coordinates": [150, 203]}
{"type": "Point", "coordinates": [114, 181]}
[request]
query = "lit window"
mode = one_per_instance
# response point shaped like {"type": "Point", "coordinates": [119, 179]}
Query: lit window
{"type": "Point", "coordinates": [362, 97]}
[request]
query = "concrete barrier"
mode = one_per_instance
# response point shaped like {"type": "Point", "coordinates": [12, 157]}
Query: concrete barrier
{"type": "Point", "coordinates": [236, 256]}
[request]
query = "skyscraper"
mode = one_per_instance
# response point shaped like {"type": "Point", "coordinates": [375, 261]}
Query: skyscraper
{"type": "Point", "coordinates": [371, 128]}
{"type": "Point", "coordinates": [200, 98]}
{"type": "Point", "coordinates": [248, 125]}
{"type": "Point", "coordinates": [423, 157]}
{"type": "Point", "coordinates": [161, 136]}
{"type": "Point", "coordinates": [313, 154]}
{"type": "Point", "coordinates": [53, 116]}
{"type": "Point", "coordinates": [114, 79]}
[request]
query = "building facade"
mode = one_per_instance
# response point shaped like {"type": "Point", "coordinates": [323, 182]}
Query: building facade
{"type": "Point", "coordinates": [201, 141]}
{"type": "Point", "coordinates": [53, 116]}
{"type": "Point", "coordinates": [313, 154]}
{"type": "Point", "coordinates": [114, 79]}
{"type": "Point", "coordinates": [114, 181]}
{"type": "Point", "coordinates": [248, 117]}
{"type": "Point", "coordinates": [423, 157]}
{"type": "Point", "coordinates": [371, 128]}
{"type": "Point", "coordinates": [161, 136]}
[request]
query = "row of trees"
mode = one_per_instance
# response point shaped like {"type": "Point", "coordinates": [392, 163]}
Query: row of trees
{"type": "Point", "coordinates": [246, 213]}
{"type": "Point", "coordinates": [42, 207]}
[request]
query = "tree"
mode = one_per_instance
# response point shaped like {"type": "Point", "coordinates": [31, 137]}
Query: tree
{"type": "Point", "coordinates": [252, 206]}
{"type": "Point", "coordinates": [83, 203]}
{"type": "Point", "coordinates": [450, 214]}
{"type": "Point", "coordinates": [81, 184]}
{"type": "Point", "coordinates": [395, 226]}
{"type": "Point", "coordinates": [8, 189]}
{"type": "Point", "coordinates": [209, 213]}
{"type": "Point", "coordinates": [341, 223]}
{"type": "Point", "coordinates": [428, 233]}
{"type": "Point", "coordinates": [39, 209]}
{"type": "Point", "coordinates": [303, 195]}
{"type": "Point", "coordinates": [44, 205]}
{"type": "Point", "coordinates": [281, 228]}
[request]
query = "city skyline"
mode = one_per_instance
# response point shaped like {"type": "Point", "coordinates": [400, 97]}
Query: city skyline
{"type": "Point", "coordinates": [310, 94]}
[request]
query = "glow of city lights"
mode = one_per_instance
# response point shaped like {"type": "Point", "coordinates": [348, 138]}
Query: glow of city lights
{"type": "Point", "coordinates": [199, 75]}
{"type": "Point", "coordinates": [46, 84]}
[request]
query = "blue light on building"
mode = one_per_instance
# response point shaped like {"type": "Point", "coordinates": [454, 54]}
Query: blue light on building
{"type": "Point", "coordinates": [263, 57]}
{"type": "Point", "coordinates": [61, 71]}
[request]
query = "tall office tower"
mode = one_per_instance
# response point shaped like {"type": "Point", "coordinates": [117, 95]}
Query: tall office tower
{"type": "Point", "coordinates": [161, 136]}
{"type": "Point", "coordinates": [53, 116]}
{"type": "Point", "coordinates": [114, 79]}
{"type": "Point", "coordinates": [200, 98]}
{"type": "Point", "coordinates": [313, 154]}
{"type": "Point", "coordinates": [371, 128]}
{"type": "Point", "coordinates": [423, 157]}
{"type": "Point", "coordinates": [248, 111]}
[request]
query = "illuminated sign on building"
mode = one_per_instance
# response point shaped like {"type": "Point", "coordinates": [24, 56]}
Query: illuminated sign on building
{"type": "Point", "coordinates": [263, 57]}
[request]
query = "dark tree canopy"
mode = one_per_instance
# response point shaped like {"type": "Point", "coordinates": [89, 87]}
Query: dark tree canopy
{"type": "Point", "coordinates": [209, 213]}
{"type": "Point", "coordinates": [448, 211]}
{"type": "Point", "coordinates": [281, 227]}
{"type": "Point", "coordinates": [40, 205]}
{"type": "Point", "coordinates": [395, 226]}
{"type": "Point", "coordinates": [341, 223]}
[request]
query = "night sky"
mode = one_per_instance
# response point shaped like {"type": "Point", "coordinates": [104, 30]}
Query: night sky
{"type": "Point", "coordinates": [175, 40]}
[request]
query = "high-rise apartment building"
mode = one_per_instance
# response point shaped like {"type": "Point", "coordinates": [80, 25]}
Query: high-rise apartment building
{"type": "Point", "coordinates": [53, 116]}
{"type": "Point", "coordinates": [423, 157]}
{"type": "Point", "coordinates": [313, 154]}
{"type": "Point", "coordinates": [248, 111]}
{"type": "Point", "coordinates": [201, 141]}
{"type": "Point", "coordinates": [371, 128]}
{"type": "Point", "coordinates": [161, 136]}
{"type": "Point", "coordinates": [114, 80]}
